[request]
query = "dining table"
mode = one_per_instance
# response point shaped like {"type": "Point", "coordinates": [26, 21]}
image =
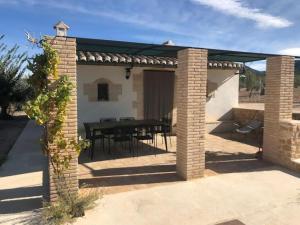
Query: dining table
{"type": "Point", "coordinates": [141, 123]}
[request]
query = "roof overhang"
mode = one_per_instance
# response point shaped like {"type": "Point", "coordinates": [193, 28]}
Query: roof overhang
{"type": "Point", "coordinates": [134, 48]}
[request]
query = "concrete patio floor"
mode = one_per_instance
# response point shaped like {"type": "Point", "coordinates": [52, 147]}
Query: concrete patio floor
{"type": "Point", "coordinates": [268, 197]}
{"type": "Point", "coordinates": [21, 179]}
{"type": "Point", "coordinates": [145, 189]}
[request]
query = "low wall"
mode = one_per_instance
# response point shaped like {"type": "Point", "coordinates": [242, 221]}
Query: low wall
{"type": "Point", "coordinates": [289, 144]}
{"type": "Point", "coordinates": [244, 115]}
{"type": "Point", "coordinates": [288, 154]}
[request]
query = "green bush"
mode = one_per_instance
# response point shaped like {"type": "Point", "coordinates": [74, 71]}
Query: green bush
{"type": "Point", "coordinates": [68, 207]}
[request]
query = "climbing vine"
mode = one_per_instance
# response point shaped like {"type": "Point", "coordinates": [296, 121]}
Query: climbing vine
{"type": "Point", "coordinates": [48, 107]}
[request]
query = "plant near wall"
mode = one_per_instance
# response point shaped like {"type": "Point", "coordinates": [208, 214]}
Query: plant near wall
{"type": "Point", "coordinates": [48, 108]}
{"type": "Point", "coordinates": [52, 93]}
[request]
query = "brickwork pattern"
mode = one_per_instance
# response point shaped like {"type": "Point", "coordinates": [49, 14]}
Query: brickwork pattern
{"type": "Point", "coordinates": [66, 48]}
{"type": "Point", "coordinates": [289, 144]}
{"type": "Point", "coordinates": [278, 103]}
{"type": "Point", "coordinates": [191, 100]}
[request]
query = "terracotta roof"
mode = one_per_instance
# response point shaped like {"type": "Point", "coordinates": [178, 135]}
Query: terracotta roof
{"type": "Point", "coordinates": [115, 58]}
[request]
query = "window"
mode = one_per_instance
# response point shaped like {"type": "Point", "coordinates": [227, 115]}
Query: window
{"type": "Point", "coordinates": [103, 92]}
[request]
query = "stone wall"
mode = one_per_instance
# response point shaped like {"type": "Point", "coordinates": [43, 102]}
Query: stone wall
{"type": "Point", "coordinates": [91, 90]}
{"type": "Point", "coordinates": [289, 139]}
{"type": "Point", "coordinates": [244, 116]}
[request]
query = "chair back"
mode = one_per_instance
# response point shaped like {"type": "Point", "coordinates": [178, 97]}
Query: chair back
{"type": "Point", "coordinates": [167, 124]}
{"type": "Point", "coordinates": [145, 131]}
{"type": "Point", "coordinates": [118, 132]}
{"type": "Point", "coordinates": [88, 132]}
{"type": "Point", "coordinates": [112, 119]}
{"type": "Point", "coordinates": [108, 131]}
{"type": "Point", "coordinates": [254, 124]}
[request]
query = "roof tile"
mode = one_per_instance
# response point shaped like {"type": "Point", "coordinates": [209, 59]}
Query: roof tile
{"type": "Point", "coordinates": [113, 58]}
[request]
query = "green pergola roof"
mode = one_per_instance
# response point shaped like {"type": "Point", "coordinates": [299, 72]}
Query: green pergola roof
{"type": "Point", "coordinates": [133, 48]}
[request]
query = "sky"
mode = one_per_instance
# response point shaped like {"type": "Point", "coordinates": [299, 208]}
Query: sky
{"type": "Point", "coordinates": [268, 26]}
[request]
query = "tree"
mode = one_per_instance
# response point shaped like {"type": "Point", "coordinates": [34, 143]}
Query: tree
{"type": "Point", "coordinates": [14, 87]}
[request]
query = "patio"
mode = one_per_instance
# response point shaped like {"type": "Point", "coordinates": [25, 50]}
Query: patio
{"type": "Point", "coordinates": [243, 195]}
{"type": "Point", "coordinates": [120, 172]}
{"type": "Point", "coordinates": [194, 156]}
{"type": "Point", "coordinates": [243, 198]}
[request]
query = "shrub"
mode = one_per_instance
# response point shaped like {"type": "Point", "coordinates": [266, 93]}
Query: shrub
{"type": "Point", "coordinates": [68, 207]}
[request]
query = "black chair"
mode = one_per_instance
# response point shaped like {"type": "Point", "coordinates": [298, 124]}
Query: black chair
{"type": "Point", "coordinates": [108, 133]}
{"type": "Point", "coordinates": [167, 128]}
{"type": "Point", "coordinates": [164, 129]}
{"type": "Point", "coordinates": [93, 135]}
{"type": "Point", "coordinates": [145, 134]}
{"type": "Point", "coordinates": [122, 135]}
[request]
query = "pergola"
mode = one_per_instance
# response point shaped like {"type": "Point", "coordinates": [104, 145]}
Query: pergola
{"type": "Point", "coordinates": [134, 48]}
{"type": "Point", "coordinates": [281, 133]}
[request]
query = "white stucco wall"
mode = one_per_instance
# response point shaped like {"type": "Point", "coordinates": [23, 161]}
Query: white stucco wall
{"type": "Point", "coordinates": [220, 104]}
{"type": "Point", "coordinates": [93, 111]}
{"type": "Point", "coordinates": [225, 97]}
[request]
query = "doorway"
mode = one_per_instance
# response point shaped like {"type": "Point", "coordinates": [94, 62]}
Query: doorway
{"type": "Point", "coordinates": [158, 94]}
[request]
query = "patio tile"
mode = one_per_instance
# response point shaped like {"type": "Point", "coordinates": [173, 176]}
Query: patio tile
{"type": "Point", "coordinates": [121, 172]}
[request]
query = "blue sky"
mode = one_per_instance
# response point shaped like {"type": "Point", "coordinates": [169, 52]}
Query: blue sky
{"type": "Point", "coordinates": [271, 26]}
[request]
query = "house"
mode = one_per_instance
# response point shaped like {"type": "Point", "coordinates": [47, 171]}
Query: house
{"type": "Point", "coordinates": [116, 80]}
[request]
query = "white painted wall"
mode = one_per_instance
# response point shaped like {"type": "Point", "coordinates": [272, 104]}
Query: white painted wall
{"type": "Point", "coordinates": [93, 111]}
{"type": "Point", "coordinates": [224, 99]}
{"type": "Point", "coordinates": [219, 106]}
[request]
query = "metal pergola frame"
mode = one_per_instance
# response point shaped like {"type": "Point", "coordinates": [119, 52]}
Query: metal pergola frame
{"type": "Point", "coordinates": [135, 48]}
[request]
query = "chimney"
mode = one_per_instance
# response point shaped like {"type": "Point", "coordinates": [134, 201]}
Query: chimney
{"type": "Point", "coordinates": [61, 29]}
{"type": "Point", "coordinates": [168, 42]}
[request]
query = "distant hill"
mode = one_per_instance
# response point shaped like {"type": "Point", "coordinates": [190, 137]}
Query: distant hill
{"type": "Point", "coordinates": [258, 73]}
{"type": "Point", "coordinates": [263, 73]}
{"type": "Point", "coordinates": [254, 71]}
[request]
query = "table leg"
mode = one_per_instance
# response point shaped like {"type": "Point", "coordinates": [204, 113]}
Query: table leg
{"type": "Point", "coordinates": [165, 137]}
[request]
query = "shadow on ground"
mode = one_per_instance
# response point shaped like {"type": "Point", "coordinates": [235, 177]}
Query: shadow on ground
{"type": "Point", "coordinates": [9, 132]}
{"type": "Point", "coordinates": [131, 176]}
{"type": "Point", "coordinates": [21, 199]}
{"type": "Point", "coordinates": [119, 151]}
{"type": "Point", "coordinates": [224, 162]}
{"type": "Point", "coordinates": [220, 160]}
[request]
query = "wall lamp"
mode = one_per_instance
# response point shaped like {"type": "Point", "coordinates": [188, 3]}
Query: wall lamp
{"type": "Point", "coordinates": [128, 72]}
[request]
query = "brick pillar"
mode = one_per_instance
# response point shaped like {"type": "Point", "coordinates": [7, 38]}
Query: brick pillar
{"type": "Point", "coordinates": [66, 48]}
{"type": "Point", "coordinates": [278, 103]}
{"type": "Point", "coordinates": [191, 100]}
